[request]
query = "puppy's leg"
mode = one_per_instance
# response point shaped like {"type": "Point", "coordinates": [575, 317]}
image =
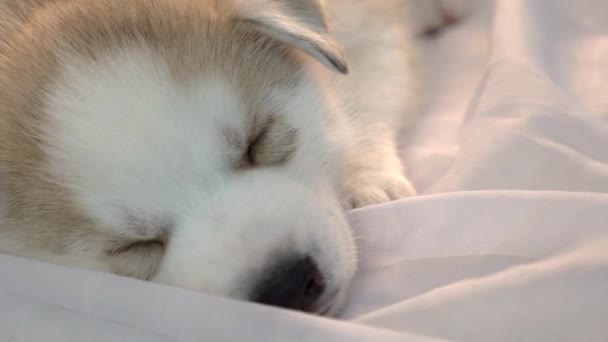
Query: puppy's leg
{"type": "Point", "coordinates": [385, 80]}
{"type": "Point", "coordinates": [379, 97]}
{"type": "Point", "coordinates": [381, 88]}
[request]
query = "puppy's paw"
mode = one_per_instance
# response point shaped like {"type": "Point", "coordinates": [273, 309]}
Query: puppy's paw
{"type": "Point", "coordinates": [373, 187]}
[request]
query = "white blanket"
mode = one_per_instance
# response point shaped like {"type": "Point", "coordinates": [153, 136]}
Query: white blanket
{"type": "Point", "coordinates": [509, 241]}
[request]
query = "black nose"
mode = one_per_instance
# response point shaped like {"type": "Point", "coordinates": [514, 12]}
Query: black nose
{"type": "Point", "coordinates": [294, 284]}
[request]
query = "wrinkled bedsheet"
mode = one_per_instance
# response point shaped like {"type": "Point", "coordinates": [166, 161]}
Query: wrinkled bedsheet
{"type": "Point", "coordinates": [508, 242]}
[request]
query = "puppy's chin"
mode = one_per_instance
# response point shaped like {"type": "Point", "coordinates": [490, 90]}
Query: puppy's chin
{"type": "Point", "coordinates": [336, 306]}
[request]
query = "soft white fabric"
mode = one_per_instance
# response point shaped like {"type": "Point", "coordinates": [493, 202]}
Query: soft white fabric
{"type": "Point", "coordinates": [509, 241]}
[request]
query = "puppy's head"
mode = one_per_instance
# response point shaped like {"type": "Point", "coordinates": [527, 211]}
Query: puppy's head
{"type": "Point", "coordinates": [195, 141]}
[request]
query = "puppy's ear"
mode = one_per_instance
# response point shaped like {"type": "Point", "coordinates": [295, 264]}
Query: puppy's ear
{"type": "Point", "coordinates": [300, 23]}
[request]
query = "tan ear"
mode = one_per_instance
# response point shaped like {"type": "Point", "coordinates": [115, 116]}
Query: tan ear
{"type": "Point", "coordinates": [299, 23]}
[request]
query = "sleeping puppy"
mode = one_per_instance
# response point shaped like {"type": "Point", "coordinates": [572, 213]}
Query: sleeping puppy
{"type": "Point", "coordinates": [207, 144]}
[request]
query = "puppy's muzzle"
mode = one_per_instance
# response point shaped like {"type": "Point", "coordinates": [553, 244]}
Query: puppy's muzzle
{"type": "Point", "coordinates": [296, 283]}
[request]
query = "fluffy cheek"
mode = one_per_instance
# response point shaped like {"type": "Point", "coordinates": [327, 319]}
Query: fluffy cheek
{"type": "Point", "coordinates": [223, 246]}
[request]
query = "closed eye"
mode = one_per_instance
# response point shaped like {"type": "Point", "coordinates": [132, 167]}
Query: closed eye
{"type": "Point", "coordinates": [250, 154]}
{"type": "Point", "coordinates": [273, 144]}
{"type": "Point", "coordinates": [250, 157]}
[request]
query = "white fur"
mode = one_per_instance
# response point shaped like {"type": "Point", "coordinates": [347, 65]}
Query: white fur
{"type": "Point", "coordinates": [134, 143]}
